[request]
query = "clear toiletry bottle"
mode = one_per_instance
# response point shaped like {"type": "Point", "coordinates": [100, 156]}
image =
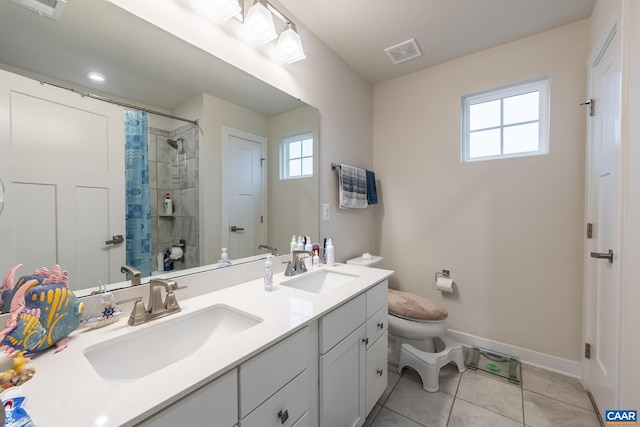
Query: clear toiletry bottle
{"type": "Point", "coordinates": [300, 245]}
{"type": "Point", "coordinates": [308, 246]}
{"type": "Point", "coordinates": [168, 205]}
{"type": "Point", "coordinates": [330, 253]}
{"type": "Point", "coordinates": [268, 274]}
{"type": "Point", "coordinates": [224, 259]}
{"type": "Point", "coordinates": [316, 258]}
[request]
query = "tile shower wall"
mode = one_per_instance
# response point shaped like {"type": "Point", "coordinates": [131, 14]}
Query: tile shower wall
{"type": "Point", "coordinates": [175, 171]}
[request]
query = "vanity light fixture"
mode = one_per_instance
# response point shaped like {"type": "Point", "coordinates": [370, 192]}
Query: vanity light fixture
{"type": "Point", "coordinates": [258, 23]}
{"type": "Point", "coordinates": [289, 45]}
{"type": "Point", "coordinates": [96, 77]}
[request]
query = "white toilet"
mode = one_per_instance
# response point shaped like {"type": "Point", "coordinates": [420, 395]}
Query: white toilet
{"type": "Point", "coordinates": [417, 328]}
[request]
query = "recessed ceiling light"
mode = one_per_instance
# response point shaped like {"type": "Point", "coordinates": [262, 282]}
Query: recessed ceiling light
{"type": "Point", "coordinates": [96, 77]}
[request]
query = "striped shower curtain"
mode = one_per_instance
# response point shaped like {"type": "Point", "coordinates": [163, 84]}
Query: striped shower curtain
{"type": "Point", "coordinates": [138, 198]}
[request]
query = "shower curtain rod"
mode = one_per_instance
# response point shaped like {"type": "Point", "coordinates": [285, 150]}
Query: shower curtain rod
{"type": "Point", "coordinates": [121, 104]}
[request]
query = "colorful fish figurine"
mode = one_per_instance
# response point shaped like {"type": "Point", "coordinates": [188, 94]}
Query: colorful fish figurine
{"type": "Point", "coordinates": [43, 311]}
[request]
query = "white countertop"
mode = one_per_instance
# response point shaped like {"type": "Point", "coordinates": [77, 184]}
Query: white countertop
{"type": "Point", "coordinates": [67, 391]}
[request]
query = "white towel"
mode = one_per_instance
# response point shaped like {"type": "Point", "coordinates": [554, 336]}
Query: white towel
{"type": "Point", "coordinates": [353, 187]}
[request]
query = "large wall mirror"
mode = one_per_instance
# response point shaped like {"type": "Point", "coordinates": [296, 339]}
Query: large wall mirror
{"type": "Point", "coordinates": [210, 169]}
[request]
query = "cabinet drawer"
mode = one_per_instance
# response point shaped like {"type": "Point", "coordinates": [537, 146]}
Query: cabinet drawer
{"type": "Point", "coordinates": [292, 399]}
{"type": "Point", "coordinates": [341, 322]}
{"type": "Point", "coordinates": [377, 297]}
{"type": "Point", "coordinates": [213, 404]}
{"type": "Point", "coordinates": [377, 325]}
{"type": "Point", "coordinates": [376, 372]}
{"type": "Point", "coordinates": [266, 373]}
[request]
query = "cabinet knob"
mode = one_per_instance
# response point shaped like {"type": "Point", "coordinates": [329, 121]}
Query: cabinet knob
{"type": "Point", "coordinates": [379, 371]}
{"type": "Point", "coordinates": [284, 416]}
{"type": "Point", "coordinates": [365, 341]}
{"type": "Point", "coordinates": [381, 325]}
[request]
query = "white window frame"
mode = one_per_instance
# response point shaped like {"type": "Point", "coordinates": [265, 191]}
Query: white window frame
{"type": "Point", "coordinates": [540, 85]}
{"type": "Point", "coordinates": [284, 154]}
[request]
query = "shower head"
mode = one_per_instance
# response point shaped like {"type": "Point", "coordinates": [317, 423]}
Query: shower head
{"type": "Point", "coordinates": [173, 143]}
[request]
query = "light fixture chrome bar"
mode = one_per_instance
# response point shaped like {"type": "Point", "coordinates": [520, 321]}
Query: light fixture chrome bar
{"type": "Point", "coordinates": [281, 16]}
{"type": "Point", "coordinates": [121, 104]}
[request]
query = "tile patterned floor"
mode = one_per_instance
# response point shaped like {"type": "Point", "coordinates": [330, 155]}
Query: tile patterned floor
{"type": "Point", "coordinates": [477, 399]}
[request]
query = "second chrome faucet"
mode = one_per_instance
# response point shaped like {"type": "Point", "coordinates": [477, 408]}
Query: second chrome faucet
{"type": "Point", "coordinates": [134, 273]}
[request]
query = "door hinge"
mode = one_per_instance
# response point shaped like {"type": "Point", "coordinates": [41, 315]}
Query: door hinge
{"type": "Point", "coordinates": [592, 104]}
{"type": "Point", "coordinates": [589, 230]}
{"type": "Point", "coordinates": [587, 351]}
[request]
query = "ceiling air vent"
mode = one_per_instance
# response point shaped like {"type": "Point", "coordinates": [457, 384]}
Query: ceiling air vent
{"type": "Point", "coordinates": [48, 8]}
{"type": "Point", "coordinates": [404, 51]}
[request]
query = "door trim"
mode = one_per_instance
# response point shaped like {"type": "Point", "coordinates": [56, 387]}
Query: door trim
{"type": "Point", "coordinates": [588, 334]}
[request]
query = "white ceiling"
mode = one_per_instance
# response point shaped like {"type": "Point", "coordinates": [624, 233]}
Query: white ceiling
{"type": "Point", "coordinates": [359, 30]}
{"type": "Point", "coordinates": [153, 68]}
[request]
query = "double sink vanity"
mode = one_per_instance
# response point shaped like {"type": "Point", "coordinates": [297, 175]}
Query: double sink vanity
{"type": "Point", "coordinates": [312, 352]}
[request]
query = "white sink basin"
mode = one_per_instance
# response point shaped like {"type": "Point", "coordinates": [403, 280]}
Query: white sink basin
{"type": "Point", "coordinates": [319, 282]}
{"type": "Point", "coordinates": [144, 351]}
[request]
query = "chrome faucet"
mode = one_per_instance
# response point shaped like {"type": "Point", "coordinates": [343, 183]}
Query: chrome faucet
{"type": "Point", "coordinates": [273, 249]}
{"type": "Point", "coordinates": [296, 265]}
{"type": "Point", "coordinates": [157, 308]}
{"type": "Point", "coordinates": [135, 274]}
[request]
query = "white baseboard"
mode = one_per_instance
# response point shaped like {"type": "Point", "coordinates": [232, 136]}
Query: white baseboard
{"type": "Point", "coordinates": [567, 367]}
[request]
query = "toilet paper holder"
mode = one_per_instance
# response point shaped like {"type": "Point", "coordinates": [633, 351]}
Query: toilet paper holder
{"type": "Point", "coordinates": [444, 283]}
{"type": "Point", "coordinates": [445, 273]}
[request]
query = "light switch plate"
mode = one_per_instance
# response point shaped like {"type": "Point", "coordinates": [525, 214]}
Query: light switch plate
{"type": "Point", "coordinates": [326, 212]}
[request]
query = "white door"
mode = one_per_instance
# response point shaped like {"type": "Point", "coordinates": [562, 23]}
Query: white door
{"type": "Point", "coordinates": [244, 176]}
{"type": "Point", "coordinates": [62, 163]}
{"type": "Point", "coordinates": [603, 271]}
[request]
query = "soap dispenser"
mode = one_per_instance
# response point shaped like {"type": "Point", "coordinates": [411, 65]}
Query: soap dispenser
{"type": "Point", "coordinates": [224, 259]}
{"type": "Point", "coordinates": [330, 253]}
{"type": "Point", "coordinates": [294, 244]}
{"type": "Point", "coordinates": [168, 205]}
{"type": "Point", "coordinates": [268, 274]}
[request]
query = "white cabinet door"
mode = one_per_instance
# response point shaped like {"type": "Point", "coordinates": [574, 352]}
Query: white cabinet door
{"type": "Point", "coordinates": [376, 371]}
{"type": "Point", "coordinates": [342, 382]}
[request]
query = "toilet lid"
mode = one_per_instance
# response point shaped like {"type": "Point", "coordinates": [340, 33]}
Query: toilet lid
{"type": "Point", "coordinates": [415, 307]}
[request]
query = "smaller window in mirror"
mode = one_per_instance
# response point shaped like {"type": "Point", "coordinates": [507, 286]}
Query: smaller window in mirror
{"type": "Point", "coordinates": [296, 156]}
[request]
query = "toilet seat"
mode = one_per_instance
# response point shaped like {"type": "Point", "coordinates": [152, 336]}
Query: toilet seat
{"type": "Point", "coordinates": [415, 307]}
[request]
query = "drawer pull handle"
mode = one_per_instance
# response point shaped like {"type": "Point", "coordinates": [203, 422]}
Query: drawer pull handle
{"type": "Point", "coordinates": [284, 416]}
{"type": "Point", "coordinates": [381, 325]}
{"type": "Point", "coordinates": [365, 341]}
{"type": "Point", "coordinates": [379, 371]}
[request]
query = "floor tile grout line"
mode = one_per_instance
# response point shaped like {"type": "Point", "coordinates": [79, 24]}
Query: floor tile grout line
{"type": "Point", "coordinates": [490, 410]}
{"type": "Point", "coordinates": [558, 400]}
{"type": "Point", "coordinates": [403, 416]}
{"type": "Point", "coordinates": [455, 396]}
